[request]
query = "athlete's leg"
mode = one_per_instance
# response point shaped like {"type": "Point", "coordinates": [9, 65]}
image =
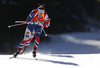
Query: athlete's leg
{"type": "Point", "coordinates": [27, 39]}
{"type": "Point", "coordinates": [38, 32]}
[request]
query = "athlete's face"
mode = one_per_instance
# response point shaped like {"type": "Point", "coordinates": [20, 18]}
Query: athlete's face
{"type": "Point", "coordinates": [40, 12]}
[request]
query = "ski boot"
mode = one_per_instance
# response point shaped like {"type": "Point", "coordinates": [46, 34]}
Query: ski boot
{"type": "Point", "coordinates": [23, 50]}
{"type": "Point", "coordinates": [15, 55]}
{"type": "Point", "coordinates": [34, 51]}
{"type": "Point", "coordinates": [34, 54]}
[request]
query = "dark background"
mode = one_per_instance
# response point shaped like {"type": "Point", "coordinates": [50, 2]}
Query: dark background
{"type": "Point", "coordinates": [66, 16]}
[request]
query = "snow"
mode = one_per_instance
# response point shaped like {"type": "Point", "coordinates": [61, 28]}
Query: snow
{"type": "Point", "coordinates": [70, 50]}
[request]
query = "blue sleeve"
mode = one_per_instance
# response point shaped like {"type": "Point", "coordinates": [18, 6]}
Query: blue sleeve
{"type": "Point", "coordinates": [30, 16]}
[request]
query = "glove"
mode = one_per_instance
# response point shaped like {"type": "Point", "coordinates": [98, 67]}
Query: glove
{"type": "Point", "coordinates": [47, 21]}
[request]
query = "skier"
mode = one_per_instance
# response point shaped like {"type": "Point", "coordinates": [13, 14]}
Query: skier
{"type": "Point", "coordinates": [37, 20]}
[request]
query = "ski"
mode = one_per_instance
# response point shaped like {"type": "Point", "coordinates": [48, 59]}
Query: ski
{"type": "Point", "coordinates": [22, 58]}
{"type": "Point", "coordinates": [11, 57]}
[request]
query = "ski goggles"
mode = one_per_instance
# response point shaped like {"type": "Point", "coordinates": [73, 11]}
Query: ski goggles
{"type": "Point", "coordinates": [40, 12]}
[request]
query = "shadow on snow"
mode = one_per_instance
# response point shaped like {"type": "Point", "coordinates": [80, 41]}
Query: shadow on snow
{"type": "Point", "coordinates": [52, 61]}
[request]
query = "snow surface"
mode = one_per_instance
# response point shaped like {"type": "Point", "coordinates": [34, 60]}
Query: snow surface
{"type": "Point", "coordinates": [71, 50]}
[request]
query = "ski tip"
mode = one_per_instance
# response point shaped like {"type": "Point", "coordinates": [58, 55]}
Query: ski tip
{"type": "Point", "coordinates": [11, 57]}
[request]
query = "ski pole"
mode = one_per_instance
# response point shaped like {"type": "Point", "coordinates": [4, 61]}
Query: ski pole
{"type": "Point", "coordinates": [15, 25]}
{"type": "Point", "coordinates": [20, 21]}
{"type": "Point", "coordinates": [24, 22]}
{"type": "Point", "coordinates": [44, 32]}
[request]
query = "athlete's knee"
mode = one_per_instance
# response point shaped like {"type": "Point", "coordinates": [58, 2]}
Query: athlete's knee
{"type": "Point", "coordinates": [24, 41]}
